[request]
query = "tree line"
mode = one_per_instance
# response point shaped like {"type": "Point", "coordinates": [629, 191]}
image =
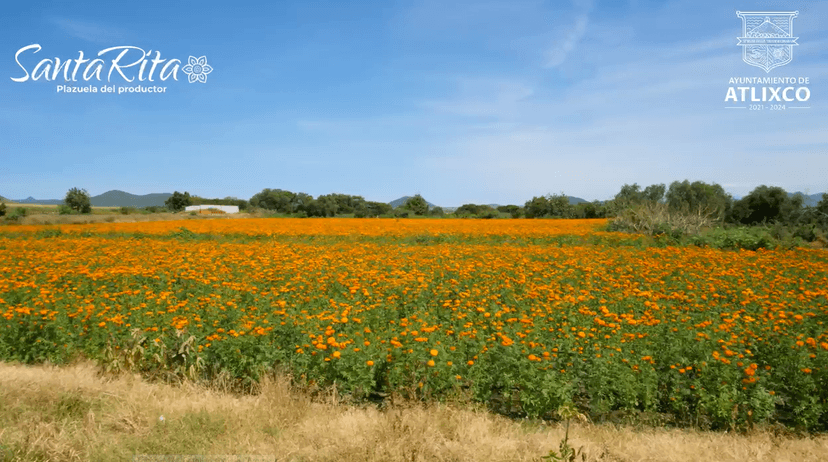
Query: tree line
{"type": "Point", "coordinates": [763, 205]}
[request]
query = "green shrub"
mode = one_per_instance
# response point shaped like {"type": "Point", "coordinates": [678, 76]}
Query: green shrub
{"type": "Point", "coordinates": [64, 209]}
{"type": "Point", "coordinates": [736, 238]}
{"type": "Point", "coordinates": [178, 202]}
{"type": "Point", "coordinates": [17, 214]}
{"type": "Point", "coordinates": [78, 200]}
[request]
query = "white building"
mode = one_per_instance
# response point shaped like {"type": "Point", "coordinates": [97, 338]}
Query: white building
{"type": "Point", "coordinates": [205, 208]}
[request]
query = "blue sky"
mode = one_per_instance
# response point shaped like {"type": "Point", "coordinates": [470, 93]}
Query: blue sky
{"type": "Point", "coordinates": [460, 101]}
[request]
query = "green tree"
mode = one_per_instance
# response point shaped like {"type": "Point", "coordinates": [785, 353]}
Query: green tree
{"type": "Point", "coordinates": [301, 202]}
{"type": "Point", "coordinates": [2, 209]}
{"type": "Point", "coordinates": [559, 206]}
{"type": "Point", "coordinates": [178, 202]}
{"type": "Point", "coordinates": [240, 203]}
{"type": "Point", "coordinates": [822, 206]}
{"type": "Point", "coordinates": [699, 197]}
{"type": "Point", "coordinates": [417, 205]}
{"type": "Point", "coordinates": [346, 203]}
{"type": "Point", "coordinates": [276, 200]}
{"type": "Point", "coordinates": [78, 200]}
{"type": "Point", "coordinates": [594, 209]}
{"type": "Point", "coordinates": [515, 211]}
{"type": "Point", "coordinates": [468, 210]}
{"type": "Point", "coordinates": [654, 193]}
{"type": "Point", "coordinates": [629, 195]}
{"type": "Point", "coordinates": [437, 212]}
{"type": "Point", "coordinates": [375, 209]}
{"type": "Point", "coordinates": [536, 208]}
{"type": "Point", "coordinates": [767, 204]}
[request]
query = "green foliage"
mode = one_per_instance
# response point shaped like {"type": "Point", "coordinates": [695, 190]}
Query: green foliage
{"type": "Point", "coordinates": [323, 206]}
{"type": "Point", "coordinates": [767, 204]}
{"type": "Point", "coordinates": [475, 211]}
{"type": "Point", "coordinates": [822, 205]}
{"type": "Point", "coordinates": [372, 209]}
{"type": "Point", "coordinates": [515, 211]}
{"type": "Point", "coordinates": [128, 210]}
{"type": "Point", "coordinates": [699, 198]}
{"type": "Point", "coordinates": [346, 204]}
{"type": "Point", "coordinates": [178, 202]}
{"type": "Point", "coordinates": [17, 214]}
{"type": "Point", "coordinates": [654, 193]}
{"type": "Point", "coordinates": [78, 200]}
{"type": "Point", "coordinates": [49, 233]}
{"type": "Point", "coordinates": [2, 209]}
{"type": "Point", "coordinates": [417, 205]}
{"type": "Point", "coordinates": [553, 205]}
{"type": "Point", "coordinates": [240, 203]}
{"type": "Point", "coordinates": [629, 195]}
{"type": "Point", "coordinates": [378, 208]}
{"type": "Point", "coordinates": [304, 205]}
{"type": "Point", "coordinates": [753, 238]}
{"type": "Point", "coordinates": [594, 209]}
{"type": "Point", "coordinates": [64, 209]}
{"type": "Point", "coordinates": [437, 212]}
{"type": "Point", "coordinates": [633, 196]}
{"type": "Point", "coordinates": [278, 200]}
{"type": "Point", "coordinates": [566, 453]}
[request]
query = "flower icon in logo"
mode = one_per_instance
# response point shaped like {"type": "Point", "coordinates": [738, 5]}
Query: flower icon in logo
{"type": "Point", "coordinates": [197, 69]}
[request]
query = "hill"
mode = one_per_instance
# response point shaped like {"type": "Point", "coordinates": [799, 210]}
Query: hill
{"type": "Point", "coordinates": [32, 200]}
{"type": "Point", "coordinates": [112, 198]}
{"type": "Point", "coordinates": [399, 202]}
{"type": "Point", "coordinates": [117, 198]}
{"type": "Point", "coordinates": [808, 201]}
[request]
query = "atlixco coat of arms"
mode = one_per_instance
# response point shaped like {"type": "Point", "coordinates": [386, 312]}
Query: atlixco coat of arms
{"type": "Point", "coordinates": [767, 38]}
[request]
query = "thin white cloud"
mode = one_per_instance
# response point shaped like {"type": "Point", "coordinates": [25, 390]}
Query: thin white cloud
{"type": "Point", "coordinates": [559, 52]}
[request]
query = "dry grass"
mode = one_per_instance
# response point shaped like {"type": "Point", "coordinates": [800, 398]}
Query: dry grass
{"type": "Point", "coordinates": [71, 413]}
{"type": "Point", "coordinates": [656, 218]}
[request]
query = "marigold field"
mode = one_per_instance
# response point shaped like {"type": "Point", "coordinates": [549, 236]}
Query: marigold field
{"type": "Point", "coordinates": [522, 315]}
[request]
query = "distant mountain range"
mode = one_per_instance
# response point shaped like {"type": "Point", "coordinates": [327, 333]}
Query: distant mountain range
{"type": "Point", "coordinates": [112, 198]}
{"type": "Point", "coordinates": [576, 200]}
{"type": "Point", "coordinates": [32, 200]}
{"type": "Point", "coordinates": [808, 201]}
{"type": "Point", "coordinates": [401, 201]}
{"type": "Point", "coordinates": [116, 198]}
